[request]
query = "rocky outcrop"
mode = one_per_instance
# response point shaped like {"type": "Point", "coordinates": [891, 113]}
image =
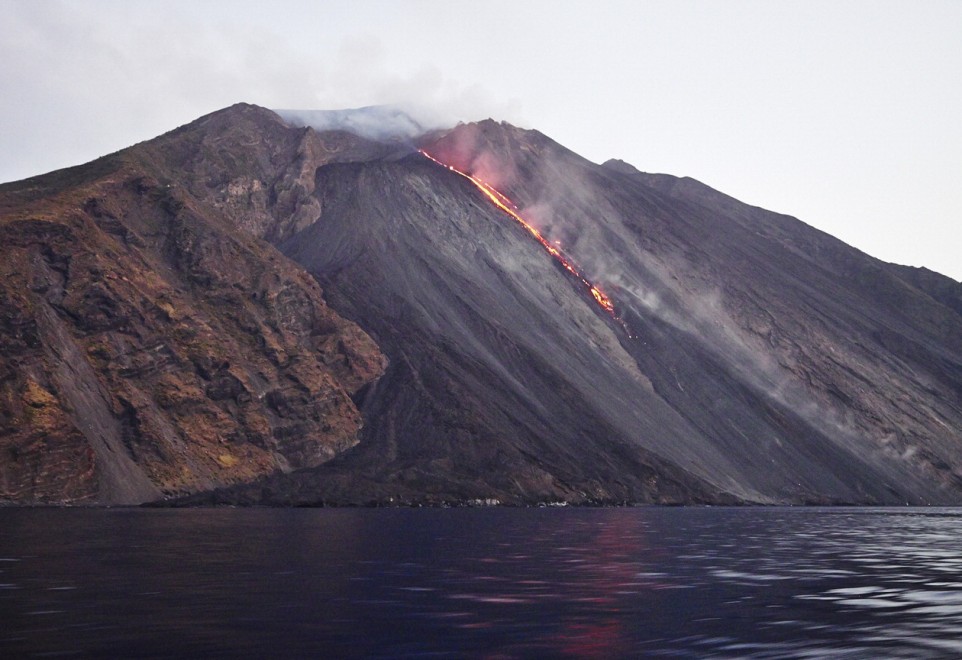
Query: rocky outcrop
{"type": "Point", "coordinates": [151, 349]}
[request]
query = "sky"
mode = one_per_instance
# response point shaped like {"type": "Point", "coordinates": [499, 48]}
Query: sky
{"type": "Point", "coordinates": [846, 114]}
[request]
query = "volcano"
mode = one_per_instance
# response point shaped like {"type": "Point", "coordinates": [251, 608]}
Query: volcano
{"type": "Point", "coordinates": [252, 310]}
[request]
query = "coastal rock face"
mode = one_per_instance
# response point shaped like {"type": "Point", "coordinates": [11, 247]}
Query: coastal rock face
{"type": "Point", "coordinates": [250, 311]}
{"type": "Point", "coordinates": [150, 349]}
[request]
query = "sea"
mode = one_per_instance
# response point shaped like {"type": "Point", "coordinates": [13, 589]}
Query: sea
{"type": "Point", "coordinates": [496, 582]}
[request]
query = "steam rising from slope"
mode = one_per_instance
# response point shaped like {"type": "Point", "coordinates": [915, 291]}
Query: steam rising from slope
{"type": "Point", "coordinates": [562, 206]}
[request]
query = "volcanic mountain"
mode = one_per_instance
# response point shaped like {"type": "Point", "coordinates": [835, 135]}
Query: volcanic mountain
{"type": "Point", "coordinates": [252, 310]}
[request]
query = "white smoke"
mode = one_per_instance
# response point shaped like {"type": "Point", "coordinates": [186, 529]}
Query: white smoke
{"type": "Point", "coordinates": [377, 122]}
{"type": "Point", "coordinates": [656, 285]}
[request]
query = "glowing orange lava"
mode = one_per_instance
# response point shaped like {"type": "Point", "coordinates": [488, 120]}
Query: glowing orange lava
{"type": "Point", "coordinates": [506, 205]}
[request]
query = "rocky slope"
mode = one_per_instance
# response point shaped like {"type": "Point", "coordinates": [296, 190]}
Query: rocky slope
{"type": "Point", "coordinates": [162, 335]}
{"type": "Point", "coordinates": [150, 349]}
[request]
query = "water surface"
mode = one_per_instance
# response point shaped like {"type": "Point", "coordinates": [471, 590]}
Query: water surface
{"type": "Point", "coordinates": [741, 582]}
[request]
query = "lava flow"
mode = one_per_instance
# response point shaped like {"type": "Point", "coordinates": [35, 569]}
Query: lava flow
{"type": "Point", "coordinates": [506, 205]}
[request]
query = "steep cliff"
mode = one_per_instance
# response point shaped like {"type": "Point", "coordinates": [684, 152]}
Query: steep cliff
{"type": "Point", "coordinates": [150, 348]}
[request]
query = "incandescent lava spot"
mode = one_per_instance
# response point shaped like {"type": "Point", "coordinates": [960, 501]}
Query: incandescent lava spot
{"type": "Point", "coordinates": [506, 205]}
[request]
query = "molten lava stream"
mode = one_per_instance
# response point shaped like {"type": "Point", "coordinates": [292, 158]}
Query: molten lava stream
{"type": "Point", "coordinates": [506, 205]}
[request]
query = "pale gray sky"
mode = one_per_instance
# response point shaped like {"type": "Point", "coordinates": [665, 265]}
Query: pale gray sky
{"type": "Point", "coordinates": [845, 114]}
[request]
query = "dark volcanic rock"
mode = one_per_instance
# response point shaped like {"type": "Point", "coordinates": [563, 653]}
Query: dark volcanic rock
{"type": "Point", "coordinates": [154, 341]}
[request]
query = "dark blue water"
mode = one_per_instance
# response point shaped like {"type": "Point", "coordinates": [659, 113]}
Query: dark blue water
{"type": "Point", "coordinates": [481, 582]}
